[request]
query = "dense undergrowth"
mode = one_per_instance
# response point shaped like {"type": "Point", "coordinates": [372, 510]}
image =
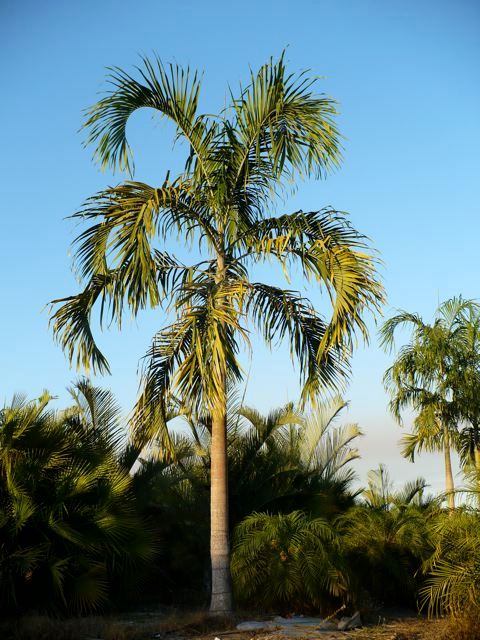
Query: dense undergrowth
{"type": "Point", "coordinates": [89, 524]}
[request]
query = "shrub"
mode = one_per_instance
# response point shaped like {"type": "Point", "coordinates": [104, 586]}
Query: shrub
{"type": "Point", "coordinates": [287, 562]}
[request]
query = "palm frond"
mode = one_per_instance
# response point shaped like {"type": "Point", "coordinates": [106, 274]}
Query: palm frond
{"type": "Point", "coordinates": [279, 313]}
{"type": "Point", "coordinates": [172, 91]}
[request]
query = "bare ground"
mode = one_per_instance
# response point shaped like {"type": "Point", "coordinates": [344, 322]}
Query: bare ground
{"type": "Point", "coordinates": [199, 626]}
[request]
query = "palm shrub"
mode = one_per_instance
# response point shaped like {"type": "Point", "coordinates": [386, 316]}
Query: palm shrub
{"type": "Point", "coordinates": [287, 562]}
{"type": "Point", "coordinates": [295, 460]}
{"type": "Point", "coordinates": [68, 523]}
{"type": "Point", "coordinates": [386, 538]}
{"type": "Point", "coordinates": [452, 584]}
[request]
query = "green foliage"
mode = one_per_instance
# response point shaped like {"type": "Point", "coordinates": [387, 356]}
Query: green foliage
{"type": "Point", "coordinates": [68, 523]}
{"type": "Point", "coordinates": [453, 571]}
{"type": "Point", "coordinates": [286, 561]}
{"type": "Point", "coordinates": [278, 461]}
{"type": "Point", "coordinates": [386, 539]}
{"type": "Point", "coordinates": [276, 129]}
{"type": "Point", "coordinates": [433, 375]}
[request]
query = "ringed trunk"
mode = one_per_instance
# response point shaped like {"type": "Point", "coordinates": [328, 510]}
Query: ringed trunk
{"type": "Point", "coordinates": [449, 485]}
{"type": "Point", "coordinates": [477, 469]}
{"type": "Point", "coordinates": [221, 597]}
{"type": "Point", "coordinates": [221, 600]}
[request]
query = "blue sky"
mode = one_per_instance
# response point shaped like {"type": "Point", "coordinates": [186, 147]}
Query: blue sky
{"type": "Point", "coordinates": [406, 76]}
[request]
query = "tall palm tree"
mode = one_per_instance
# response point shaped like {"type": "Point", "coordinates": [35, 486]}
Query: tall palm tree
{"type": "Point", "coordinates": [276, 129]}
{"type": "Point", "coordinates": [468, 391]}
{"type": "Point", "coordinates": [425, 377]}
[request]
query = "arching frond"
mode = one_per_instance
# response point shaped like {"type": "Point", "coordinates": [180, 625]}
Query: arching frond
{"type": "Point", "coordinates": [172, 91]}
{"type": "Point", "coordinates": [400, 319]}
{"type": "Point", "coordinates": [279, 313]}
{"type": "Point", "coordinates": [282, 126]}
{"type": "Point", "coordinates": [329, 250]}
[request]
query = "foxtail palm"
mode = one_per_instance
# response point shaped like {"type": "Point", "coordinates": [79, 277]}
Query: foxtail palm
{"type": "Point", "coordinates": [275, 130]}
{"type": "Point", "coordinates": [424, 377]}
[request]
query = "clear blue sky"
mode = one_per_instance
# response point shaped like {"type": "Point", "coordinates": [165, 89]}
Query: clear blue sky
{"type": "Point", "coordinates": [406, 74]}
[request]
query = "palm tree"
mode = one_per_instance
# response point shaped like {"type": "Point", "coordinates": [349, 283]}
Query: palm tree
{"type": "Point", "coordinates": [275, 130]}
{"type": "Point", "coordinates": [287, 561]}
{"type": "Point", "coordinates": [425, 377]}
{"type": "Point", "coordinates": [467, 396]}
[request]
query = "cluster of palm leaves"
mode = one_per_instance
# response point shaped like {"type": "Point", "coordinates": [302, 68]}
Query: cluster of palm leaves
{"type": "Point", "coordinates": [70, 533]}
{"type": "Point", "coordinates": [288, 562]}
{"type": "Point", "coordinates": [453, 570]}
{"type": "Point", "coordinates": [385, 538]}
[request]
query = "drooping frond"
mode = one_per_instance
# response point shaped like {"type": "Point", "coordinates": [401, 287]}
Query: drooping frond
{"type": "Point", "coordinates": [279, 313]}
{"type": "Point", "coordinates": [129, 217]}
{"type": "Point", "coordinates": [401, 319]}
{"type": "Point", "coordinates": [72, 325]}
{"type": "Point", "coordinates": [172, 91]}
{"type": "Point", "coordinates": [326, 248]}
{"type": "Point", "coordinates": [118, 258]}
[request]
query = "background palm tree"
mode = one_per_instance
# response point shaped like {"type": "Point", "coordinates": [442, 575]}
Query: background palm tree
{"type": "Point", "coordinates": [425, 377]}
{"type": "Point", "coordinates": [276, 129]}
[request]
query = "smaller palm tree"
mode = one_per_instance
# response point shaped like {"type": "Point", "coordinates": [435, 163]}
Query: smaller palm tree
{"type": "Point", "coordinates": [453, 570]}
{"type": "Point", "coordinates": [425, 378]}
{"type": "Point", "coordinates": [385, 538]}
{"type": "Point", "coordinates": [287, 561]}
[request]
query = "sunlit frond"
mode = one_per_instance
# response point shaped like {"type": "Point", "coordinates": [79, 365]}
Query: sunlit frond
{"type": "Point", "coordinates": [172, 91]}
{"type": "Point", "coordinates": [279, 313]}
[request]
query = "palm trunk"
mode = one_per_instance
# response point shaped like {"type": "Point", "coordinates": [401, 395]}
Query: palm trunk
{"type": "Point", "coordinates": [221, 601]}
{"type": "Point", "coordinates": [221, 598]}
{"type": "Point", "coordinates": [477, 470]}
{"type": "Point", "coordinates": [449, 485]}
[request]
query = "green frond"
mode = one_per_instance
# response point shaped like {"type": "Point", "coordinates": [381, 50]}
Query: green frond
{"type": "Point", "coordinates": [329, 250]}
{"type": "Point", "coordinates": [71, 325]}
{"type": "Point", "coordinates": [172, 91]}
{"type": "Point", "coordinates": [279, 313]}
{"type": "Point", "coordinates": [281, 122]}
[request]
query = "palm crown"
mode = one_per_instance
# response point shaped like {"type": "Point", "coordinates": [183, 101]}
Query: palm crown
{"type": "Point", "coordinates": [276, 129]}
